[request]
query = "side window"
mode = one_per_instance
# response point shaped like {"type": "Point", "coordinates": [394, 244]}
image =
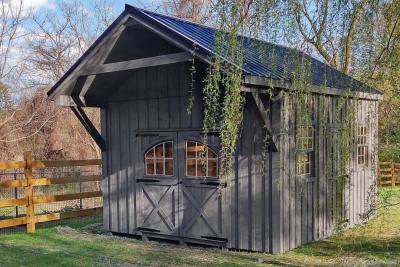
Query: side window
{"type": "Point", "coordinates": [159, 159]}
{"type": "Point", "coordinates": [305, 150]}
{"type": "Point", "coordinates": [362, 145]}
{"type": "Point", "coordinates": [201, 161]}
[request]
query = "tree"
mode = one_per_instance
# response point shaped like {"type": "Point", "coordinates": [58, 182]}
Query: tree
{"type": "Point", "coordinates": [53, 40]}
{"type": "Point", "coordinates": [193, 10]}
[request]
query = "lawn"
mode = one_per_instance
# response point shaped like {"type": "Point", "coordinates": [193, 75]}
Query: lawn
{"type": "Point", "coordinates": [375, 243]}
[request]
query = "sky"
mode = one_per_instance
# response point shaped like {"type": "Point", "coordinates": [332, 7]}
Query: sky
{"type": "Point", "coordinates": [18, 50]}
{"type": "Point", "coordinates": [118, 5]}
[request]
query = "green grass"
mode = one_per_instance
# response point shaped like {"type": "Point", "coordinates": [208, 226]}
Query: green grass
{"type": "Point", "coordinates": [375, 243]}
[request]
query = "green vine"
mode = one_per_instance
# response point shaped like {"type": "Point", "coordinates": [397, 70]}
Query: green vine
{"type": "Point", "coordinates": [192, 73]}
{"type": "Point", "coordinates": [223, 108]}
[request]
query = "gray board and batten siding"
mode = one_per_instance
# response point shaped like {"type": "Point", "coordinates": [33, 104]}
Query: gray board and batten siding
{"type": "Point", "coordinates": [266, 207]}
{"type": "Point", "coordinates": [160, 105]}
{"type": "Point", "coordinates": [268, 210]}
{"type": "Point", "coordinates": [309, 205]}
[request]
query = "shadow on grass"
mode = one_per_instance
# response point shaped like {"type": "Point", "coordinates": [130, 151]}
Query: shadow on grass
{"type": "Point", "coordinates": [358, 246]}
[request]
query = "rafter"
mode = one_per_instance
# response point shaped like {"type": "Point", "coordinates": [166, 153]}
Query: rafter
{"type": "Point", "coordinates": [138, 63]}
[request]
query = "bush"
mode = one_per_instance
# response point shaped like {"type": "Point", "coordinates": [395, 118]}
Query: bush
{"type": "Point", "coordinates": [389, 153]}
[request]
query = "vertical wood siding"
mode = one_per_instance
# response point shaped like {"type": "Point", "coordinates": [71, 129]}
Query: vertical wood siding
{"type": "Point", "coordinates": [249, 197]}
{"type": "Point", "coordinates": [152, 99]}
{"type": "Point", "coordinates": [269, 208]}
{"type": "Point", "coordinates": [308, 206]}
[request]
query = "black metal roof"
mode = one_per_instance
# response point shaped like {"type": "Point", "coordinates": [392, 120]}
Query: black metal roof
{"type": "Point", "coordinates": [260, 58]}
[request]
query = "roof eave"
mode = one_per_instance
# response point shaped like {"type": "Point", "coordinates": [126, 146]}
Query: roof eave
{"type": "Point", "coordinates": [265, 82]}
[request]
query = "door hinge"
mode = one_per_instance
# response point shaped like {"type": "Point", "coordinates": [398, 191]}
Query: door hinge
{"type": "Point", "coordinates": [148, 229]}
{"type": "Point", "coordinates": [215, 238]}
{"type": "Point", "coordinates": [148, 180]}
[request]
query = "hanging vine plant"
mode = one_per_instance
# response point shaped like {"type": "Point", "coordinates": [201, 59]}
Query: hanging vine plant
{"type": "Point", "coordinates": [223, 109]}
{"type": "Point", "coordinates": [223, 99]}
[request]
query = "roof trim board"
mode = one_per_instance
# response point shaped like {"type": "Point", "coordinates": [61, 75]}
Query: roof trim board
{"type": "Point", "coordinates": [254, 83]}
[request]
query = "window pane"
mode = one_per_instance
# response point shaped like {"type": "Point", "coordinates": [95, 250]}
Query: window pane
{"type": "Point", "coordinates": [191, 167]}
{"type": "Point", "coordinates": [169, 167]}
{"type": "Point", "coordinates": [159, 166]}
{"type": "Point", "coordinates": [201, 161]}
{"type": "Point", "coordinates": [211, 154]}
{"type": "Point", "coordinates": [307, 168]}
{"type": "Point", "coordinates": [160, 151]}
{"type": "Point", "coordinates": [149, 166]}
{"type": "Point", "coordinates": [212, 168]}
{"type": "Point", "coordinates": [200, 150]}
{"type": "Point", "coordinates": [150, 153]}
{"type": "Point", "coordinates": [155, 161]}
{"type": "Point", "coordinates": [168, 150]}
{"type": "Point", "coordinates": [201, 168]}
{"type": "Point", "coordinates": [191, 149]}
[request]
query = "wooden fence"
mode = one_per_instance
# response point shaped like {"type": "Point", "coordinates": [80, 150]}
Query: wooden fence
{"type": "Point", "coordinates": [30, 219]}
{"type": "Point", "coordinates": [389, 173]}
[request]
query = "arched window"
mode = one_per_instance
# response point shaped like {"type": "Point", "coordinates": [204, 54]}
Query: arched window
{"type": "Point", "coordinates": [201, 161]}
{"type": "Point", "coordinates": [160, 159]}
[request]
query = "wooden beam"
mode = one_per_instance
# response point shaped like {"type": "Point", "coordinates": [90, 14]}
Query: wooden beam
{"type": "Point", "coordinates": [68, 214]}
{"type": "Point", "coordinates": [263, 111]}
{"type": "Point", "coordinates": [251, 81]}
{"type": "Point", "coordinates": [30, 206]}
{"type": "Point", "coordinates": [41, 164]}
{"type": "Point", "coordinates": [80, 89]}
{"type": "Point", "coordinates": [13, 202]}
{"type": "Point", "coordinates": [83, 118]}
{"type": "Point", "coordinates": [55, 198]}
{"type": "Point", "coordinates": [12, 222]}
{"type": "Point", "coordinates": [8, 165]}
{"type": "Point", "coordinates": [13, 183]}
{"type": "Point", "coordinates": [66, 180]}
{"type": "Point", "coordinates": [139, 63]}
{"type": "Point", "coordinates": [266, 82]}
{"type": "Point", "coordinates": [95, 55]}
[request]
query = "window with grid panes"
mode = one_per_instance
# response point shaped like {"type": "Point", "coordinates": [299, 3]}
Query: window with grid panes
{"type": "Point", "coordinates": [362, 145]}
{"type": "Point", "coordinates": [201, 161]}
{"type": "Point", "coordinates": [159, 159]}
{"type": "Point", "coordinates": [304, 150]}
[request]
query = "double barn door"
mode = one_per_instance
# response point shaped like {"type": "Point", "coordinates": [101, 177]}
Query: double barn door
{"type": "Point", "coordinates": [178, 192]}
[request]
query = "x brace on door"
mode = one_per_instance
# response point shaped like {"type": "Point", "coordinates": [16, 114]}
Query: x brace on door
{"type": "Point", "coordinates": [156, 207]}
{"type": "Point", "coordinates": [200, 209]}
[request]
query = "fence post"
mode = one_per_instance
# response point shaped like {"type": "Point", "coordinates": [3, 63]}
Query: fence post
{"type": "Point", "coordinates": [392, 172]}
{"type": "Point", "coordinates": [30, 208]}
{"type": "Point", "coordinates": [379, 174]}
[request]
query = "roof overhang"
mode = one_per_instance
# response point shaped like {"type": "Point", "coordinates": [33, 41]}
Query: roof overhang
{"type": "Point", "coordinates": [71, 88]}
{"type": "Point", "coordinates": [91, 62]}
{"type": "Point", "coordinates": [257, 84]}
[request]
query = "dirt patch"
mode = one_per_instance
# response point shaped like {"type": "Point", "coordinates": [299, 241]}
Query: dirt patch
{"type": "Point", "coordinates": [66, 230]}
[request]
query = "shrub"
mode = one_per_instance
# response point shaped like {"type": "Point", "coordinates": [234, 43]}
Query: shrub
{"type": "Point", "coordinates": [389, 153]}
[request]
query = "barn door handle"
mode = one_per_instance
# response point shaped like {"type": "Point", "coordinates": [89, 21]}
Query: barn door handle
{"type": "Point", "coordinates": [148, 180]}
{"type": "Point", "coordinates": [214, 183]}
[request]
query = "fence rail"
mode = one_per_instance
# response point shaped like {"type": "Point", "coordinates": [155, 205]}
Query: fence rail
{"type": "Point", "coordinates": [30, 200]}
{"type": "Point", "coordinates": [389, 173]}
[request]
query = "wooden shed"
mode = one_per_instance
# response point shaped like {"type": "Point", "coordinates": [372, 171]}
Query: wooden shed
{"type": "Point", "coordinates": [138, 74]}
